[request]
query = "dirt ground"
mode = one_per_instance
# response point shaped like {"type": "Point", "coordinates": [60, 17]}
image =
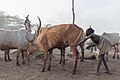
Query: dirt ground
{"type": "Point", "coordinates": [85, 70]}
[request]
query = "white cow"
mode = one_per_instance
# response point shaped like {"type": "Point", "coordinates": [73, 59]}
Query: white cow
{"type": "Point", "coordinates": [114, 38]}
{"type": "Point", "coordinates": [17, 39]}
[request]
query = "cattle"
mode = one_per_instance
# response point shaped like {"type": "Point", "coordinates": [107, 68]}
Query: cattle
{"type": "Point", "coordinates": [15, 39]}
{"type": "Point", "coordinates": [60, 36]}
{"type": "Point", "coordinates": [114, 38]}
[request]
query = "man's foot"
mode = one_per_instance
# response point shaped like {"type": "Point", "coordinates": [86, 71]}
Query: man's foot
{"type": "Point", "coordinates": [108, 72]}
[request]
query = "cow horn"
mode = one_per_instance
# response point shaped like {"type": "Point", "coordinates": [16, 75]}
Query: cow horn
{"type": "Point", "coordinates": [27, 24]}
{"type": "Point", "coordinates": [27, 16]}
{"type": "Point", "coordinates": [39, 25]}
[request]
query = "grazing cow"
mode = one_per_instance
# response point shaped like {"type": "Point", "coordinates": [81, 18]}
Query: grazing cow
{"type": "Point", "coordinates": [15, 39]}
{"type": "Point", "coordinates": [60, 36]}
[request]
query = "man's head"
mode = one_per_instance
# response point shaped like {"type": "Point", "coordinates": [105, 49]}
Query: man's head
{"type": "Point", "coordinates": [89, 31]}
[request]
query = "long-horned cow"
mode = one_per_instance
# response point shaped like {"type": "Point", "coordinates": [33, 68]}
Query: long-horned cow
{"type": "Point", "coordinates": [15, 39]}
{"type": "Point", "coordinates": [60, 36]}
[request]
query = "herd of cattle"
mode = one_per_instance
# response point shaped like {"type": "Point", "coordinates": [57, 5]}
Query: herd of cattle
{"type": "Point", "coordinates": [46, 39]}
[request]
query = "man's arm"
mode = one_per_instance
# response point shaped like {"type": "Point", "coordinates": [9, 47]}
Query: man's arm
{"type": "Point", "coordinates": [83, 40]}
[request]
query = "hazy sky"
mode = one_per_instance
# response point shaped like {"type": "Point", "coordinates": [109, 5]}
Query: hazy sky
{"type": "Point", "coordinates": [102, 15]}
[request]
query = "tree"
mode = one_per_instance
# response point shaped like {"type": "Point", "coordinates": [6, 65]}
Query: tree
{"type": "Point", "coordinates": [14, 22]}
{"type": "Point", "coordinates": [2, 19]}
{"type": "Point", "coordinates": [10, 22]}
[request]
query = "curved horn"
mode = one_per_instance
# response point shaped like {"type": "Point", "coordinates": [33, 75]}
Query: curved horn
{"type": "Point", "coordinates": [27, 24]}
{"type": "Point", "coordinates": [39, 25]}
{"type": "Point", "coordinates": [27, 16]}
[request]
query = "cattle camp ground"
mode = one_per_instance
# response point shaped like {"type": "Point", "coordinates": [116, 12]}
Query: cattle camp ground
{"type": "Point", "coordinates": [85, 70]}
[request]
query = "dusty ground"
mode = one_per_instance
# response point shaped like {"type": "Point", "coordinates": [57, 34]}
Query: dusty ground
{"type": "Point", "coordinates": [85, 70]}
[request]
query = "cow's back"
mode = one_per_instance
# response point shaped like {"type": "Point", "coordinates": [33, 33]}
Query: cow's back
{"type": "Point", "coordinates": [12, 39]}
{"type": "Point", "coordinates": [7, 38]}
{"type": "Point", "coordinates": [114, 38]}
{"type": "Point", "coordinates": [62, 35]}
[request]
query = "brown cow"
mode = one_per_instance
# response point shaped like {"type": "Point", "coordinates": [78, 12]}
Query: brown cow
{"type": "Point", "coordinates": [60, 36]}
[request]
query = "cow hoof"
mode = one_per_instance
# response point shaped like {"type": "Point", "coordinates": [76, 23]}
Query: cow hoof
{"type": "Point", "coordinates": [6, 60]}
{"type": "Point", "coordinates": [73, 73]}
{"type": "Point", "coordinates": [10, 60]}
{"type": "Point", "coordinates": [42, 70]}
{"type": "Point", "coordinates": [97, 74]}
{"type": "Point", "coordinates": [23, 63]}
{"type": "Point", "coordinates": [113, 57]}
{"type": "Point", "coordinates": [17, 64]}
{"type": "Point", "coordinates": [81, 60]}
{"type": "Point", "coordinates": [48, 69]}
{"type": "Point", "coordinates": [60, 62]}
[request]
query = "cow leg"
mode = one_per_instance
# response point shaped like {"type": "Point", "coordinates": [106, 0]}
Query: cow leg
{"type": "Point", "coordinates": [26, 54]}
{"type": "Point", "coordinates": [76, 54]}
{"type": "Point", "coordinates": [8, 50]}
{"type": "Point", "coordinates": [107, 57]}
{"type": "Point", "coordinates": [28, 59]}
{"type": "Point", "coordinates": [5, 56]}
{"type": "Point", "coordinates": [22, 53]}
{"type": "Point", "coordinates": [17, 57]}
{"type": "Point", "coordinates": [50, 58]}
{"type": "Point", "coordinates": [117, 51]}
{"type": "Point", "coordinates": [60, 56]}
{"type": "Point", "coordinates": [114, 53]}
{"type": "Point", "coordinates": [63, 55]}
{"type": "Point", "coordinates": [45, 59]}
{"type": "Point", "coordinates": [82, 51]}
{"type": "Point", "coordinates": [63, 59]}
{"type": "Point", "coordinates": [117, 55]}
